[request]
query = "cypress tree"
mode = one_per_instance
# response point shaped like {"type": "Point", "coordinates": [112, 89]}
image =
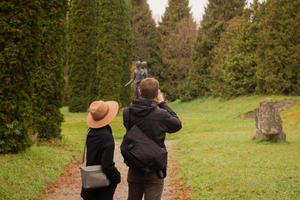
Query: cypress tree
{"type": "Point", "coordinates": [214, 22]}
{"type": "Point", "coordinates": [237, 54]}
{"type": "Point", "coordinates": [278, 49]}
{"type": "Point", "coordinates": [48, 74]}
{"type": "Point", "coordinates": [18, 57]}
{"type": "Point", "coordinates": [177, 56]}
{"type": "Point", "coordinates": [67, 56]}
{"type": "Point", "coordinates": [82, 59]}
{"type": "Point", "coordinates": [145, 34]}
{"type": "Point", "coordinates": [114, 51]}
{"type": "Point", "coordinates": [176, 11]}
{"type": "Point", "coordinates": [223, 51]}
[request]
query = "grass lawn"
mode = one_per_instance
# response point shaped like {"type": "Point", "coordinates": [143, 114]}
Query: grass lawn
{"type": "Point", "coordinates": [218, 158]}
{"type": "Point", "coordinates": [220, 161]}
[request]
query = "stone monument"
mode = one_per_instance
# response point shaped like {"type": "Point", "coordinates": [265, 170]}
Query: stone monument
{"type": "Point", "coordinates": [268, 123]}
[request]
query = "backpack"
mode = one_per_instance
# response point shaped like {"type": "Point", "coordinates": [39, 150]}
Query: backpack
{"type": "Point", "coordinates": [142, 153]}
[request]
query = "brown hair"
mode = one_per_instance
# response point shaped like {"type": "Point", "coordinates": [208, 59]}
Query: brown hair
{"type": "Point", "coordinates": [149, 88]}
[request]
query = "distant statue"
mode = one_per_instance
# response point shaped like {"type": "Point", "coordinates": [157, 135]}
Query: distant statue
{"type": "Point", "coordinates": [268, 123]}
{"type": "Point", "coordinates": [139, 73]}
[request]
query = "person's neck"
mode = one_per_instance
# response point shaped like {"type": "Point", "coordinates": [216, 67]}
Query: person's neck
{"type": "Point", "coordinates": [148, 101]}
{"type": "Point", "coordinates": [145, 99]}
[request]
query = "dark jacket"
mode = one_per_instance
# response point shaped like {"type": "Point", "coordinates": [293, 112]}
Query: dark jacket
{"type": "Point", "coordinates": [155, 120]}
{"type": "Point", "coordinates": [100, 151]}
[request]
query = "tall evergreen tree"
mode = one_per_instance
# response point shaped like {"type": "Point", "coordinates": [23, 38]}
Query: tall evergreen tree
{"type": "Point", "coordinates": [82, 53]}
{"type": "Point", "coordinates": [67, 56]}
{"type": "Point", "coordinates": [278, 49]}
{"type": "Point", "coordinates": [18, 57]}
{"type": "Point", "coordinates": [223, 51]}
{"type": "Point", "coordinates": [145, 34]}
{"type": "Point", "coordinates": [176, 11]}
{"type": "Point", "coordinates": [177, 56]}
{"type": "Point", "coordinates": [48, 74]}
{"type": "Point", "coordinates": [214, 22]}
{"type": "Point", "coordinates": [236, 54]}
{"type": "Point", "coordinates": [239, 67]}
{"type": "Point", "coordinates": [114, 51]}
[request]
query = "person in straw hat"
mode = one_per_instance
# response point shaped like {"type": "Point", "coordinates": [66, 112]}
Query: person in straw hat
{"type": "Point", "coordinates": [100, 147]}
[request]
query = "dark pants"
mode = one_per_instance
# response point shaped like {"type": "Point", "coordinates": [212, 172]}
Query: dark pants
{"type": "Point", "coordinates": [105, 193]}
{"type": "Point", "coordinates": [148, 185]}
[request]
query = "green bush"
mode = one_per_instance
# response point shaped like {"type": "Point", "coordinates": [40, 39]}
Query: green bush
{"type": "Point", "coordinates": [13, 138]}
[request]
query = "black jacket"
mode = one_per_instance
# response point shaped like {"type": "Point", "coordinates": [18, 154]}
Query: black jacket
{"type": "Point", "coordinates": [155, 120]}
{"type": "Point", "coordinates": [100, 151]}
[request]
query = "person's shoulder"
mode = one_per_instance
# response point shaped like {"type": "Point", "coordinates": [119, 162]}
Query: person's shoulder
{"type": "Point", "coordinates": [104, 132]}
{"type": "Point", "coordinates": [160, 113]}
{"type": "Point", "coordinates": [101, 137]}
{"type": "Point", "coordinates": [125, 111]}
{"type": "Point", "coordinates": [107, 136]}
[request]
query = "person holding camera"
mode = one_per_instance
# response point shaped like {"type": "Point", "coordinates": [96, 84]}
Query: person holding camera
{"type": "Point", "coordinates": [151, 114]}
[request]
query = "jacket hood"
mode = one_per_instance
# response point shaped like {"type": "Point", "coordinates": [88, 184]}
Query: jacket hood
{"type": "Point", "coordinates": [142, 107]}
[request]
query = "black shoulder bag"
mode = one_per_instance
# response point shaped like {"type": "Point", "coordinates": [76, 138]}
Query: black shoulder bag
{"type": "Point", "coordinates": [142, 153]}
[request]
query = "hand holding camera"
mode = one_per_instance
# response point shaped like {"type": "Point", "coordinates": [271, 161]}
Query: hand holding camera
{"type": "Point", "coordinates": [160, 97]}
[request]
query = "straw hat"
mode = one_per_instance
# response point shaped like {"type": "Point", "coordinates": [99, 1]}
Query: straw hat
{"type": "Point", "coordinates": [101, 113]}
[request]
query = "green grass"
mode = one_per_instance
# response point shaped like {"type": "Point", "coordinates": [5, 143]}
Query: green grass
{"type": "Point", "coordinates": [220, 161]}
{"type": "Point", "coordinates": [25, 176]}
{"type": "Point", "coordinates": [218, 158]}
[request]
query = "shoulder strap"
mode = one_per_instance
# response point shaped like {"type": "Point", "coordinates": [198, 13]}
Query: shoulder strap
{"type": "Point", "coordinates": [84, 149]}
{"type": "Point", "coordinates": [128, 115]}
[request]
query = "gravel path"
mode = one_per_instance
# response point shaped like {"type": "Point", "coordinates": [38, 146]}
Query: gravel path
{"type": "Point", "coordinates": [68, 185]}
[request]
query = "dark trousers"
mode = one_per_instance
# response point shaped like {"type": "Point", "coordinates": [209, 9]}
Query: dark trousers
{"type": "Point", "coordinates": [105, 193]}
{"type": "Point", "coordinates": [147, 185]}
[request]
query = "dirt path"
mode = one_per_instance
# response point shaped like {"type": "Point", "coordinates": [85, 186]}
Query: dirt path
{"type": "Point", "coordinates": [68, 185]}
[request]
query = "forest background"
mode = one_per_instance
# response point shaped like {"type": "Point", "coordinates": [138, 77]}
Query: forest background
{"type": "Point", "coordinates": [55, 53]}
{"type": "Point", "coordinates": [62, 53]}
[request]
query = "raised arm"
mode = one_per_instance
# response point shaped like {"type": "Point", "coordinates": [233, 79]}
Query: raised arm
{"type": "Point", "coordinates": [170, 121]}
